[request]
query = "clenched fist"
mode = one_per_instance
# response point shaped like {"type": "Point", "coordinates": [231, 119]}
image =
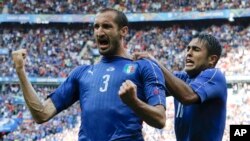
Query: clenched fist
{"type": "Point", "coordinates": [127, 92]}
{"type": "Point", "coordinates": [19, 58]}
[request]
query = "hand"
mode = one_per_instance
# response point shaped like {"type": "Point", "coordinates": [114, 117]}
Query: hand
{"type": "Point", "coordinates": [19, 58]}
{"type": "Point", "coordinates": [139, 55]}
{"type": "Point", "coordinates": [127, 92]}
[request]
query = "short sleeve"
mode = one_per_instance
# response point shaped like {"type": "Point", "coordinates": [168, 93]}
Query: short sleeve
{"type": "Point", "coordinates": [67, 93]}
{"type": "Point", "coordinates": [154, 82]}
{"type": "Point", "coordinates": [211, 83]}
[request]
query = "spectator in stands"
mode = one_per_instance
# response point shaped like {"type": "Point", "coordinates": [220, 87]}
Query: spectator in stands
{"type": "Point", "coordinates": [140, 6]}
{"type": "Point", "coordinates": [107, 90]}
{"type": "Point", "coordinates": [70, 44]}
{"type": "Point", "coordinates": [200, 91]}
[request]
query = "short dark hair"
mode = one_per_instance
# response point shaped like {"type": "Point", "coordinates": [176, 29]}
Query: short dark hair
{"type": "Point", "coordinates": [121, 18]}
{"type": "Point", "coordinates": [212, 44]}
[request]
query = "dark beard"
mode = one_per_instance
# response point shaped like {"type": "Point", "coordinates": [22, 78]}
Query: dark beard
{"type": "Point", "coordinates": [112, 50]}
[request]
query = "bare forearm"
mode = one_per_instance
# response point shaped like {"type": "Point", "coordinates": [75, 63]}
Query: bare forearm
{"type": "Point", "coordinates": [153, 115]}
{"type": "Point", "coordinates": [29, 93]}
{"type": "Point", "coordinates": [39, 112]}
{"type": "Point", "coordinates": [178, 88]}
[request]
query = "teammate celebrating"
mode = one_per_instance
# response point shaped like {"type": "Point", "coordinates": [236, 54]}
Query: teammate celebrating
{"type": "Point", "coordinates": [200, 91]}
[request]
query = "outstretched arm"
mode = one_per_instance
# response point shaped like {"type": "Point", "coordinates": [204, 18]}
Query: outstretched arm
{"type": "Point", "coordinates": [41, 112]}
{"type": "Point", "coordinates": [153, 115]}
{"type": "Point", "coordinates": [177, 88]}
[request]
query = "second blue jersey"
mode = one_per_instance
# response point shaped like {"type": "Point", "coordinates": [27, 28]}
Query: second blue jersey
{"type": "Point", "coordinates": [104, 116]}
{"type": "Point", "coordinates": [204, 121]}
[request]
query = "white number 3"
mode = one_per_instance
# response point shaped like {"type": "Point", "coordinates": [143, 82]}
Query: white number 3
{"type": "Point", "coordinates": [105, 83]}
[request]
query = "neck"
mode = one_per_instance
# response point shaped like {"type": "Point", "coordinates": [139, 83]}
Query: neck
{"type": "Point", "coordinates": [126, 55]}
{"type": "Point", "coordinates": [123, 52]}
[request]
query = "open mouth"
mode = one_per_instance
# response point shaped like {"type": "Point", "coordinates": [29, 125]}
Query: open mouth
{"type": "Point", "coordinates": [103, 43]}
{"type": "Point", "coordinates": [189, 62]}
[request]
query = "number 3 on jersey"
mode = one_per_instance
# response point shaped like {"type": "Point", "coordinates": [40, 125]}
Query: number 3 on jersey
{"type": "Point", "coordinates": [104, 87]}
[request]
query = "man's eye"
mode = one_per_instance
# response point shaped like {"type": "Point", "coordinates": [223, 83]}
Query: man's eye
{"type": "Point", "coordinates": [106, 26]}
{"type": "Point", "coordinates": [196, 49]}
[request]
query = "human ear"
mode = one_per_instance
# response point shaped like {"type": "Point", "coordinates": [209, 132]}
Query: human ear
{"type": "Point", "coordinates": [124, 31]}
{"type": "Point", "coordinates": [212, 60]}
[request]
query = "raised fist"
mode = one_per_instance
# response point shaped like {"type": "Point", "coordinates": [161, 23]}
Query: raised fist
{"type": "Point", "coordinates": [19, 58]}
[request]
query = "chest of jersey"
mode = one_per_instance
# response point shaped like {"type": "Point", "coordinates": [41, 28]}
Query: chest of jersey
{"type": "Point", "coordinates": [101, 83]}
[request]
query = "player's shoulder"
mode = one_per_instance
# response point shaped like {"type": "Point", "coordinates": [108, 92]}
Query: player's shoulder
{"type": "Point", "coordinates": [78, 70]}
{"type": "Point", "coordinates": [181, 74]}
{"type": "Point", "coordinates": [144, 62]}
{"type": "Point", "coordinates": [213, 73]}
{"type": "Point", "coordinates": [81, 67]}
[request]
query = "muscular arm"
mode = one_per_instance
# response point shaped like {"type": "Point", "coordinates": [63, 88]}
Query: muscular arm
{"type": "Point", "coordinates": [152, 115]}
{"type": "Point", "coordinates": [41, 112]}
{"type": "Point", "coordinates": [177, 87]}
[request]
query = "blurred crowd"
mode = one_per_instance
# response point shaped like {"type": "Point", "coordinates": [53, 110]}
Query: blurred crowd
{"type": "Point", "coordinates": [128, 6]}
{"type": "Point", "coordinates": [27, 129]}
{"type": "Point", "coordinates": [55, 51]}
{"type": "Point", "coordinates": [52, 51]}
{"type": "Point", "coordinates": [168, 45]}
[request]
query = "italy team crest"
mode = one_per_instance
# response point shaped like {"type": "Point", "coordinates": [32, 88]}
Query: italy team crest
{"type": "Point", "coordinates": [129, 68]}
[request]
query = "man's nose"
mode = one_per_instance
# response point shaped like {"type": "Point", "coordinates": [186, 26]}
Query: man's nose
{"type": "Point", "coordinates": [99, 32]}
{"type": "Point", "coordinates": [189, 52]}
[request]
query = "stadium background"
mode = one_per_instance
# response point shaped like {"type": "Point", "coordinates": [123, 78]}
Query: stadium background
{"type": "Point", "coordinates": [58, 37]}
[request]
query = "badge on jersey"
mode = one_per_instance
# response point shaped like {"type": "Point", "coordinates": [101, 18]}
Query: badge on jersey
{"type": "Point", "coordinates": [156, 91]}
{"type": "Point", "coordinates": [129, 68]}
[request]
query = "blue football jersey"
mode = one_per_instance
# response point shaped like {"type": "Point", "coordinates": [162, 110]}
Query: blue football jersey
{"type": "Point", "coordinates": [104, 116]}
{"type": "Point", "coordinates": [204, 121]}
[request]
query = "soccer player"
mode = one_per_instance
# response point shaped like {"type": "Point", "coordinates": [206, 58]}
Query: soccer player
{"type": "Point", "coordinates": [116, 95]}
{"type": "Point", "coordinates": [200, 91]}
